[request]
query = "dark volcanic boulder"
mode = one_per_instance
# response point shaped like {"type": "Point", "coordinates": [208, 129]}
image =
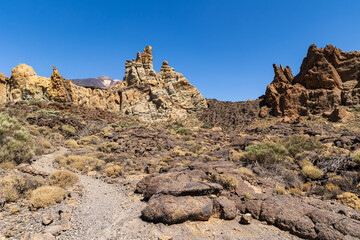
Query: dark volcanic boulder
{"type": "Point", "coordinates": [170, 209]}
{"type": "Point", "coordinates": [178, 184]}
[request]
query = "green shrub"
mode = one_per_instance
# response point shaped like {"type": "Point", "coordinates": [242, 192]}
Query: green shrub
{"type": "Point", "coordinates": [300, 143]}
{"type": "Point", "coordinates": [47, 113]}
{"type": "Point", "coordinates": [183, 131]}
{"type": "Point", "coordinates": [312, 172]}
{"type": "Point", "coordinates": [266, 153]}
{"type": "Point", "coordinates": [15, 141]}
{"type": "Point", "coordinates": [68, 129]}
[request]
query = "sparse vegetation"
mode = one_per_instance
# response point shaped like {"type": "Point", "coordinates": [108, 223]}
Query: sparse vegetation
{"type": "Point", "coordinates": [63, 178]}
{"type": "Point", "coordinates": [266, 153]}
{"type": "Point", "coordinates": [114, 171]}
{"type": "Point", "coordinates": [69, 130]}
{"type": "Point", "coordinates": [15, 141]}
{"type": "Point", "coordinates": [349, 199]}
{"type": "Point", "coordinates": [81, 163]}
{"type": "Point", "coordinates": [312, 172]}
{"type": "Point", "coordinates": [45, 196]}
{"type": "Point", "coordinates": [279, 190]}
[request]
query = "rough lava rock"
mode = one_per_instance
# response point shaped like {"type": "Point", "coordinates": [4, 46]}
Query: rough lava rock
{"type": "Point", "coordinates": [328, 78]}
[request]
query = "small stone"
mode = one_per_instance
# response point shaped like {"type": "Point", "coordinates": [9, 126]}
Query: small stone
{"type": "Point", "coordinates": [164, 237]}
{"type": "Point", "coordinates": [47, 220]}
{"type": "Point", "coordinates": [54, 230]}
{"type": "Point", "coordinates": [66, 224]}
{"type": "Point", "coordinates": [48, 236]}
{"type": "Point", "coordinates": [37, 237]}
{"type": "Point", "coordinates": [246, 218]}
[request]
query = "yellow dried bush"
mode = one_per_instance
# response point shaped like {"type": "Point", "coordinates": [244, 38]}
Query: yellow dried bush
{"type": "Point", "coordinates": [349, 199]}
{"type": "Point", "coordinates": [279, 190]}
{"type": "Point", "coordinates": [45, 196]}
{"type": "Point", "coordinates": [81, 163]}
{"type": "Point", "coordinates": [71, 143]}
{"type": "Point", "coordinates": [114, 171]}
{"type": "Point", "coordinates": [63, 178]}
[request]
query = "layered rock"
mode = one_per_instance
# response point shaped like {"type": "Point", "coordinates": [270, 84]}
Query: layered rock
{"type": "Point", "coordinates": [328, 78]}
{"type": "Point", "coordinates": [144, 93]}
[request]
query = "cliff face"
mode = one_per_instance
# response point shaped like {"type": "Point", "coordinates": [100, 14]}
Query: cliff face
{"type": "Point", "coordinates": [328, 78]}
{"type": "Point", "coordinates": [144, 93]}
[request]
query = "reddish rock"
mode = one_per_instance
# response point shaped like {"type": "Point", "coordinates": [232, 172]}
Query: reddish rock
{"type": "Point", "coordinates": [341, 115]}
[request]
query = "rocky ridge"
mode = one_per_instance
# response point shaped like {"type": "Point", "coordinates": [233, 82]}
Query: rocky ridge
{"type": "Point", "coordinates": [144, 93]}
{"type": "Point", "coordinates": [328, 78]}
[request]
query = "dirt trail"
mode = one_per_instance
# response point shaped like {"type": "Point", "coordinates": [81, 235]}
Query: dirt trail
{"type": "Point", "coordinates": [107, 211]}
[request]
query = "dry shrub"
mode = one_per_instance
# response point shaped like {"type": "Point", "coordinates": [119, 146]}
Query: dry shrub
{"type": "Point", "coordinates": [14, 209]}
{"type": "Point", "coordinates": [247, 196]}
{"type": "Point", "coordinates": [71, 143]}
{"type": "Point", "coordinates": [305, 162]}
{"type": "Point", "coordinates": [279, 190]}
{"type": "Point", "coordinates": [236, 156]}
{"type": "Point", "coordinates": [245, 171]}
{"type": "Point", "coordinates": [349, 199]}
{"type": "Point", "coordinates": [311, 172]}
{"type": "Point", "coordinates": [226, 181]}
{"type": "Point", "coordinates": [17, 186]}
{"type": "Point", "coordinates": [114, 171]}
{"type": "Point", "coordinates": [81, 163]}
{"type": "Point", "coordinates": [89, 140]}
{"type": "Point", "coordinates": [63, 178]}
{"type": "Point", "coordinates": [108, 147]}
{"type": "Point", "coordinates": [46, 144]}
{"type": "Point", "coordinates": [295, 191]}
{"type": "Point", "coordinates": [306, 187]}
{"type": "Point", "coordinates": [45, 196]}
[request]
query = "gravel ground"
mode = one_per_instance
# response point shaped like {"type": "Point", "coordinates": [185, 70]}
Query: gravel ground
{"type": "Point", "coordinates": [109, 211]}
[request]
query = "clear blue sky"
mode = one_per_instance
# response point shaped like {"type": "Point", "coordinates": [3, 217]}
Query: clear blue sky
{"type": "Point", "coordinates": [225, 48]}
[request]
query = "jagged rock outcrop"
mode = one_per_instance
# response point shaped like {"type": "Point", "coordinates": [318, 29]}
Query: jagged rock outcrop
{"type": "Point", "coordinates": [144, 93]}
{"type": "Point", "coordinates": [328, 78]}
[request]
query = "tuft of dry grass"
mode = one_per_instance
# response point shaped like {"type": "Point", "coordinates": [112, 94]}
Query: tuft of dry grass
{"type": "Point", "coordinates": [279, 190]}
{"type": "Point", "coordinates": [81, 163]}
{"type": "Point", "coordinates": [71, 143]}
{"type": "Point", "coordinates": [46, 196]}
{"type": "Point", "coordinates": [63, 178]}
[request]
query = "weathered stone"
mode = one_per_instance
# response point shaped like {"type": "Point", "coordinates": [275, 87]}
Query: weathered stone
{"type": "Point", "coordinates": [224, 208]}
{"type": "Point", "coordinates": [178, 184]}
{"type": "Point", "coordinates": [341, 115]}
{"type": "Point", "coordinates": [170, 209]}
{"type": "Point", "coordinates": [54, 230]}
{"type": "Point", "coordinates": [246, 218]}
{"type": "Point", "coordinates": [47, 220]}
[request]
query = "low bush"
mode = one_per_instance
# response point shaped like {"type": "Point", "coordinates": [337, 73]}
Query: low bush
{"type": "Point", "coordinates": [279, 190]}
{"type": "Point", "coordinates": [114, 171]}
{"type": "Point", "coordinates": [15, 141]}
{"type": "Point", "coordinates": [349, 199]}
{"type": "Point", "coordinates": [295, 191]}
{"type": "Point", "coordinates": [305, 187]}
{"type": "Point", "coordinates": [183, 131]}
{"type": "Point", "coordinates": [46, 196]}
{"type": "Point", "coordinates": [108, 147]}
{"type": "Point", "coordinates": [89, 140]}
{"type": "Point", "coordinates": [300, 143]}
{"type": "Point", "coordinates": [69, 130]}
{"type": "Point", "coordinates": [16, 186]}
{"type": "Point", "coordinates": [71, 143]}
{"type": "Point", "coordinates": [266, 153]}
{"type": "Point", "coordinates": [63, 178]}
{"type": "Point", "coordinates": [312, 172]}
{"type": "Point", "coordinates": [227, 181]}
{"type": "Point", "coordinates": [81, 163]}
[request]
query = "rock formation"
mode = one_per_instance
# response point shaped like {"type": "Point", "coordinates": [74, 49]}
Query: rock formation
{"type": "Point", "coordinates": [144, 93]}
{"type": "Point", "coordinates": [328, 78]}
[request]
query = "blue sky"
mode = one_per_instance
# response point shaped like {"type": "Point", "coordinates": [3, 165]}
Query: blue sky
{"type": "Point", "coordinates": [225, 48]}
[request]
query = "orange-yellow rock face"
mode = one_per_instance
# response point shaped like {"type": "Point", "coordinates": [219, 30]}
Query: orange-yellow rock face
{"type": "Point", "coordinates": [144, 93]}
